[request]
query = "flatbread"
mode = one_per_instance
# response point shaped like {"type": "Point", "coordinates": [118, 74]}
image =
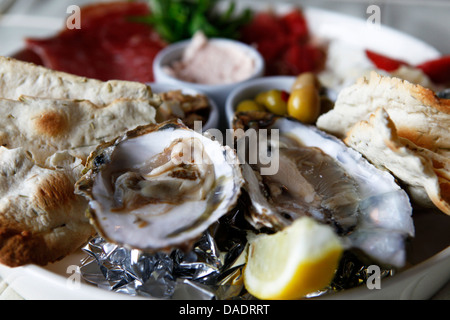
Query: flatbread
{"type": "Point", "coordinates": [426, 174]}
{"type": "Point", "coordinates": [41, 219]}
{"type": "Point", "coordinates": [19, 78]}
{"type": "Point", "coordinates": [44, 126]}
{"type": "Point", "coordinates": [51, 122]}
{"type": "Point", "coordinates": [418, 114]}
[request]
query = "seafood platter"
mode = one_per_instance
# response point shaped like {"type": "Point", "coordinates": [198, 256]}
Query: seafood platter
{"type": "Point", "coordinates": [262, 156]}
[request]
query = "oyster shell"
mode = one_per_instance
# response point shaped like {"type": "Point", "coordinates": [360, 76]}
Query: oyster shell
{"type": "Point", "coordinates": [319, 176]}
{"type": "Point", "coordinates": [159, 187]}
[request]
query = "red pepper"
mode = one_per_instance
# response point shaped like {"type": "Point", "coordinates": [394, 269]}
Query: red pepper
{"type": "Point", "coordinates": [299, 58]}
{"type": "Point", "coordinates": [264, 26]}
{"type": "Point", "coordinates": [284, 43]}
{"type": "Point", "coordinates": [285, 96]}
{"type": "Point", "coordinates": [438, 70]}
{"type": "Point", "coordinates": [383, 62]}
{"type": "Point", "coordinates": [295, 26]}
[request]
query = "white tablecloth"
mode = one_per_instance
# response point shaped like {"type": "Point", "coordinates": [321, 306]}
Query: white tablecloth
{"type": "Point", "coordinates": [7, 293]}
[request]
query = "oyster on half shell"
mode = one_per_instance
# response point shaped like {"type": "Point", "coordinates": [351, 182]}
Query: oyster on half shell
{"type": "Point", "coordinates": [159, 187]}
{"type": "Point", "coordinates": [320, 177]}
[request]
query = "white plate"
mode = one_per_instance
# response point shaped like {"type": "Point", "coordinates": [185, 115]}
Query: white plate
{"type": "Point", "coordinates": [420, 281]}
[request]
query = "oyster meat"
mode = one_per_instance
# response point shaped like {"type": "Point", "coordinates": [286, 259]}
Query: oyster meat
{"type": "Point", "coordinates": [319, 176]}
{"type": "Point", "coordinates": [160, 187]}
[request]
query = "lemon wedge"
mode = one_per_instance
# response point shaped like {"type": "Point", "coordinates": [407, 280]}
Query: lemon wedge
{"type": "Point", "coordinates": [289, 264]}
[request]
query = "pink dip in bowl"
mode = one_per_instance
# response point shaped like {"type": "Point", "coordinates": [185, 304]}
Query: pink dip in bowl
{"type": "Point", "coordinates": [210, 62]}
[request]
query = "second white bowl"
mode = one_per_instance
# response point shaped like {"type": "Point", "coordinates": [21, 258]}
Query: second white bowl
{"type": "Point", "coordinates": [213, 120]}
{"type": "Point", "coordinates": [251, 88]}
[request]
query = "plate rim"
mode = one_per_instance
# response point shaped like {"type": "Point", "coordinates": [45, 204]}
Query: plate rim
{"type": "Point", "coordinates": [59, 280]}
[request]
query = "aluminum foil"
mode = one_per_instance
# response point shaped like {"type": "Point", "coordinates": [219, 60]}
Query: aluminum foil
{"type": "Point", "coordinates": [204, 273]}
{"type": "Point", "coordinates": [212, 270]}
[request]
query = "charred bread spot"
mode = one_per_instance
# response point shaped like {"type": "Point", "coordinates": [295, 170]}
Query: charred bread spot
{"type": "Point", "coordinates": [51, 124]}
{"type": "Point", "coordinates": [18, 247]}
{"type": "Point", "coordinates": [57, 191]}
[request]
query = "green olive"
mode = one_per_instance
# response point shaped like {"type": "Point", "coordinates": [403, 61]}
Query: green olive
{"type": "Point", "coordinates": [249, 105]}
{"type": "Point", "coordinates": [304, 104]}
{"type": "Point", "coordinates": [261, 98]}
{"type": "Point", "coordinates": [273, 101]}
{"type": "Point", "coordinates": [305, 79]}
